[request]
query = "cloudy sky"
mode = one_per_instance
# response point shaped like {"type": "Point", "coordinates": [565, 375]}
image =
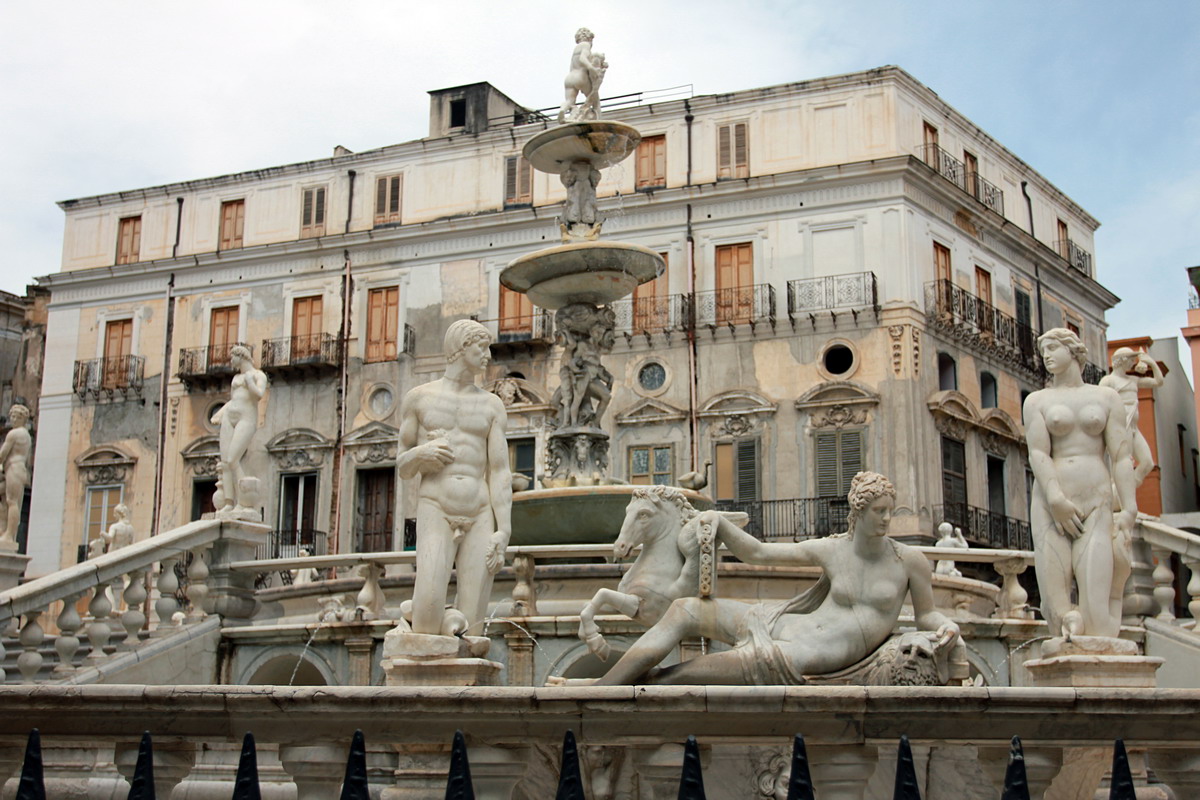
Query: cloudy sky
{"type": "Point", "coordinates": [1101, 97]}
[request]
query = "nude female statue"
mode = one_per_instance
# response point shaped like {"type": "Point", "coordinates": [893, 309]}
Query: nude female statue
{"type": "Point", "coordinates": [845, 617]}
{"type": "Point", "coordinates": [238, 419]}
{"type": "Point", "coordinates": [14, 472]}
{"type": "Point", "coordinates": [1070, 428]}
{"type": "Point", "coordinates": [1126, 385]}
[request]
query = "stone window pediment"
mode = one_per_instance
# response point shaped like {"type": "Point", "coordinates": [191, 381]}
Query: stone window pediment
{"type": "Point", "coordinates": [736, 413]}
{"type": "Point", "coordinates": [837, 404]}
{"type": "Point", "coordinates": [373, 443]}
{"type": "Point", "coordinates": [203, 456]}
{"type": "Point", "coordinates": [299, 448]}
{"type": "Point", "coordinates": [105, 464]}
{"type": "Point", "coordinates": [649, 411]}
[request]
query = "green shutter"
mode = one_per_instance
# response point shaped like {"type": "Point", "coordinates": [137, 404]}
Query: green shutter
{"type": "Point", "coordinates": [747, 470]}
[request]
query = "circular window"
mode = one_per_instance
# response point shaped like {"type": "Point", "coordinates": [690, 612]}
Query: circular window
{"type": "Point", "coordinates": [838, 359]}
{"type": "Point", "coordinates": [380, 401]}
{"type": "Point", "coordinates": [213, 409]}
{"type": "Point", "coordinates": [652, 376]}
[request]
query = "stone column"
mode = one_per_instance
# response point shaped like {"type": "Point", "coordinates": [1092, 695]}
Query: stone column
{"type": "Point", "coordinates": [841, 772]}
{"type": "Point", "coordinates": [1041, 765]}
{"type": "Point", "coordinates": [173, 760]}
{"type": "Point", "coordinates": [12, 567]}
{"type": "Point", "coordinates": [1178, 769]}
{"type": "Point", "coordinates": [359, 649]}
{"type": "Point", "coordinates": [231, 594]}
{"type": "Point", "coordinates": [317, 770]}
{"type": "Point", "coordinates": [520, 658]}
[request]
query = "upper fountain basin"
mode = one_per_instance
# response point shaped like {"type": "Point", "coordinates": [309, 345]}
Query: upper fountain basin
{"type": "Point", "coordinates": [598, 142]}
{"type": "Point", "coordinates": [582, 272]}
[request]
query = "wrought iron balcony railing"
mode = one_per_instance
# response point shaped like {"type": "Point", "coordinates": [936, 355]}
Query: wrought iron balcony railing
{"type": "Point", "coordinates": [978, 323]}
{"type": "Point", "coordinates": [212, 362]}
{"type": "Point", "coordinates": [985, 528]}
{"type": "Point", "coordinates": [537, 326]}
{"type": "Point", "coordinates": [124, 375]}
{"type": "Point", "coordinates": [312, 351]}
{"type": "Point", "coordinates": [738, 305]}
{"type": "Point", "coordinates": [645, 316]}
{"type": "Point", "coordinates": [1074, 255]}
{"type": "Point", "coordinates": [1092, 373]}
{"type": "Point", "coordinates": [965, 178]}
{"type": "Point", "coordinates": [287, 543]}
{"type": "Point", "coordinates": [410, 340]}
{"type": "Point", "coordinates": [853, 291]}
{"type": "Point", "coordinates": [791, 519]}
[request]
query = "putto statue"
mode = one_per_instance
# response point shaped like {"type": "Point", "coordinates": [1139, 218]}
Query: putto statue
{"type": "Point", "coordinates": [14, 473]}
{"type": "Point", "coordinates": [1146, 375]}
{"type": "Point", "coordinates": [584, 77]}
{"type": "Point", "coordinates": [452, 436]}
{"type": "Point", "coordinates": [238, 419]}
{"type": "Point", "coordinates": [1074, 432]}
{"type": "Point", "coordinates": [845, 617]}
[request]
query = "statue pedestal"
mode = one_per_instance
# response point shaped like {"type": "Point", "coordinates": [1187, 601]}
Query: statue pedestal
{"type": "Point", "coordinates": [1093, 661]}
{"type": "Point", "coordinates": [421, 659]}
{"type": "Point", "coordinates": [12, 566]}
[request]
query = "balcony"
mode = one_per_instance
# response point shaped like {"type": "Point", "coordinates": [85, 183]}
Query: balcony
{"type": "Point", "coordinates": [739, 305]}
{"type": "Point", "coordinates": [301, 355]}
{"type": "Point", "coordinates": [1074, 255]}
{"type": "Point", "coordinates": [958, 173]}
{"type": "Point", "coordinates": [206, 367]}
{"type": "Point", "coordinates": [1092, 373]}
{"type": "Point", "coordinates": [646, 316]}
{"type": "Point", "coordinates": [983, 528]}
{"type": "Point", "coordinates": [792, 519]}
{"type": "Point", "coordinates": [287, 544]}
{"type": "Point", "coordinates": [526, 333]}
{"type": "Point", "coordinates": [854, 291]}
{"type": "Point", "coordinates": [979, 324]}
{"type": "Point", "coordinates": [108, 377]}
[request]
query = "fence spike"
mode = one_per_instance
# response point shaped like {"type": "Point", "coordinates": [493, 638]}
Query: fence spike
{"type": "Point", "coordinates": [1016, 784]}
{"type": "Point", "coordinates": [245, 786]}
{"type": "Point", "coordinates": [354, 785]}
{"type": "Point", "coordinates": [906, 774]}
{"type": "Point", "coordinates": [32, 786]}
{"type": "Point", "coordinates": [458, 782]}
{"type": "Point", "coordinates": [570, 783]}
{"type": "Point", "coordinates": [800, 785]}
{"type": "Point", "coordinates": [1121, 786]}
{"type": "Point", "coordinates": [691, 781]}
{"type": "Point", "coordinates": [142, 786]}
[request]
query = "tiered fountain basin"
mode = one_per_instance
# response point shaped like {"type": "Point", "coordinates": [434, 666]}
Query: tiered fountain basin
{"type": "Point", "coordinates": [600, 143]}
{"type": "Point", "coordinates": [582, 272]}
{"type": "Point", "coordinates": [577, 514]}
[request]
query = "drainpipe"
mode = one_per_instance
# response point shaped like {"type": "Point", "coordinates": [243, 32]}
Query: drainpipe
{"type": "Point", "coordinates": [335, 511]}
{"type": "Point", "coordinates": [178, 225]}
{"type": "Point", "coordinates": [162, 401]}
{"type": "Point", "coordinates": [1037, 275]}
{"type": "Point", "coordinates": [693, 376]}
{"type": "Point", "coordinates": [688, 118]}
{"type": "Point", "coordinates": [350, 201]}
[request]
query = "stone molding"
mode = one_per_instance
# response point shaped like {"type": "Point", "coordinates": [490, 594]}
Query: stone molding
{"type": "Point", "coordinates": [299, 448]}
{"type": "Point", "coordinates": [105, 464]}
{"type": "Point", "coordinates": [373, 443]}
{"type": "Point", "coordinates": [955, 416]}
{"type": "Point", "coordinates": [650, 411]}
{"type": "Point", "coordinates": [837, 404]}
{"type": "Point", "coordinates": [203, 455]}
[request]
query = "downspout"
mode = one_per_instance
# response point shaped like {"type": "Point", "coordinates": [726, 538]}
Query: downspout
{"type": "Point", "coordinates": [688, 118]}
{"type": "Point", "coordinates": [350, 201]}
{"type": "Point", "coordinates": [693, 376]}
{"type": "Point", "coordinates": [162, 401]}
{"type": "Point", "coordinates": [178, 225]}
{"type": "Point", "coordinates": [1037, 274]}
{"type": "Point", "coordinates": [335, 512]}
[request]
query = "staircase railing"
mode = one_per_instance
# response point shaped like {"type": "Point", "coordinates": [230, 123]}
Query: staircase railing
{"type": "Point", "coordinates": [1154, 594]}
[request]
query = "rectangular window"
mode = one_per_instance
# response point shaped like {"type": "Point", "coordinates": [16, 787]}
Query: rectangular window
{"type": "Point", "coordinates": [941, 262]}
{"type": "Point", "coordinates": [1072, 325]}
{"type": "Point", "coordinates": [203, 491]}
{"type": "Point", "coordinates": [983, 285]}
{"type": "Point", "coordinates": [233, 224]}
{"type": "Point", "coordinates": [101, 502]}
{"type": "Point", "coordinates": [129, 240]}
{"type": "Point", "coordinates": [733, 152]}
{"type": "Point", "coordinates": [518, 181]}
{"type": "Point", "coordinates": [839, 457]}
{"type": "Point", "coordinates": [387, 199]}
{"type": "Point", "coordinates": [312, 215]}
{"type": "Point", "coordinates": [118, 349]}
{"type": "Point", "coordinates": [736, 470]}
{"type": "Point", "coordinates": [376, 507]}
{"type": "Point", "coordinates": [516, 313]}
{"type": "Point", "coordinates": [954, 481]}
{"type": "Point", "coordinates": [651, 163]}
{"type": "Point", "coordinates": [929, 140]}
{"type": "Point", "coordinates": [735, 283]}
{"type": "Point", "coordinates": [651, 465]}
{"type": "Point", "coordinates": [995, 478]}
{"type": "Point", "coordinates": [383, 320]}
{"type": "Point", "coordinates": [1025, 338]}
{"type": "Point", "coordinates": [651, 308]}
{"type": "Point", "coordinates": [222, 335]}
{"type": "Point", "coordinates": [297, 514]}
{"type": "Point", "coordinates": [971, 172]}
{"type": "Point", "coordinates": [1182, 453]}
{"type": "Point", "coordinates": [1064, 238]}
{"type": "Point", "coordinates": [521, 457]}
{"type": "Point", "coordinates": [458, 112]}
{"type": "Point", "coordinates": [306, 326]}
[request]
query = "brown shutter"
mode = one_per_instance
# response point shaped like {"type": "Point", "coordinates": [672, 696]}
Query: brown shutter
{"type": "Point", "coordinates": [233, 221]}
{"type": "Point", "coordinates": [383, 322]}
{"type": "Point", "coordinates": [319, 216]}
{"type": "Point", "coordinates": [222, 334]}
{"type": "Point", "coordinates": [747, 470]}
{"type": "Point", "coordinates": [741, 151]}
{"type": "Point", "coordinates": [381, 193]}
{"type": "Point", "coordinates": [510, 179]}
{"type": "Point", "coordinates": [129, 240]}
{"type": "Point", "coordinates": [391, 322]}
{"type": "Point", "coordinates": [724, 153]}
{"type": "Point", "coordinates": [726, 488]}
{"type": "Point", "coordinates": [525, 175]}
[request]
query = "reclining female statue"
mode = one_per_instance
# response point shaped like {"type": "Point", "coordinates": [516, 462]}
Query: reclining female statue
{"type": "Point", "coordinates": [846, 616]}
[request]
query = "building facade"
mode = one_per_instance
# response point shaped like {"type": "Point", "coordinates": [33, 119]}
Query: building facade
{"type": "Point", "coordinates": [856, 278]}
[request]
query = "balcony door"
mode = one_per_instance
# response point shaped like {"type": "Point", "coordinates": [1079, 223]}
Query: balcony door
{"type": "Point", "coordinates": [376, 504]}
{"type": "Point", "coordinates": [735, 283]}
{"type": "Point", "coordinates": [516, 315]}
{"type": "Point", "coordinates": [954, 481]}
{"type": "Point", "coordinates": [118, 348]}
{"type": "Point", "coordinates": [297, 512]}
{"type": "Point", "coordinates": [222, 335]}
{"type": "Point", "coordinates": [306, 326]}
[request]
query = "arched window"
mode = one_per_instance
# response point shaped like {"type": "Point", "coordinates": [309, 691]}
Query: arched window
{"type": "Point", "coordinates": [987, 390]}
{"type": "Point", "coordinates": [947, 373]}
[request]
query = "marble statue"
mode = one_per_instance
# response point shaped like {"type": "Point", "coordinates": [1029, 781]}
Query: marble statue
{"type": "Point", "coordinates": [1125, 360]}
{"type": "Point", "coordinates": [304, 574]}
{"type": "Point", "coordinates": [238, 419]}
{"type": "Point", "coordinates": [580, 219]}
{"type": "Point", "coordinates": [14, 472]}
{"type": "Point", "coordinates": [1074, 432]}
{"type": "Point", "coordinates": [120, 533]}
{"type": "Point", "coordinates": [452, 436]}
{"type": "Point", "coordinates": [949, 536]}
{"type": "Point", "coordinates": [585, 385]}
{"type": "Point", "coordinates": [847, 615]}
{"type": "Point", "coordinates": [584, 77]}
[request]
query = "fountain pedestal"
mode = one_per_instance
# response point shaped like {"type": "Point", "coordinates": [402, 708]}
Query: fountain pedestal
{"type": "Point", "coordinates": [421, 659]}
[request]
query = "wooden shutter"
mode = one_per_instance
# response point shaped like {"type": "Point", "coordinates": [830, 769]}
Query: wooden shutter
{"type": "Point", "coordinates": [383, 320]}
{"type": "Point", "coordinates": [518, 181]}
{"type": "Point", "coordinates": [651, 164]}
{"type": "Point", "coordinates": [651, 308]}
{"type": "Point", "coordinates": [387, 199]}
{"type": "Point", "coordinates": [233, 222]}
{"type": "Point", "coordinates": [747, 470]}
{"type": "Point", "coordinates": [118, 338]}
{"type": "Point", "coordinates": [306, 326]}
{"type": "Point", "coordinates": [735, 282]}
{"type": "Point", "coordinates": [741, 151]}
{"type": "Point", "coordinates": [376, 497]}
{"type": "Point", "coordinates": [222, 334]}
{"type": "Point", "coordinates": [929, 137]}
{"type": "Point", "coordinates": [312, 217]}
{"type": "Point", "coordinates": [941, 262]}
{"type": "Point", "coordinates": [724, 153]}
{"type": "Point", "coordinates": [839, 458]}
{"type": "Point", "coordinates": [516, 311]}
{"type": "Point", "coordinates": [983, 284]}
{"type": "Point", "coordinates": [129, 240]}
{"type": "Point", "coordinates": [954, 479]}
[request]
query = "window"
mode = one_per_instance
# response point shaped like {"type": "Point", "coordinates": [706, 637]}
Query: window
{"type": "Point", "coordinates": [383, 321]}
{"type": "Point", "coordinates": [954, 480]}
{"type": "Point", "coordinates": [101, 504]}
{"type": "Point", "coordinates": [651, 163]}
{"type": "Point", "coordinates": [374, 513]}
{"type": "Point", "coordinates": [516, 313]}
{"type": "Point", "coordinates": [929, 140]}
{"type": "Point", "coordinates": [458, 112]}
{"type": "Point", "coordinates": [1064, 238]}
{"type": "Point", "coordinates": [118, 350]}
{"type": "Point", "coordinates": [387, 199]}
{"type": "Point", "coordinates": [971, 170]}
{"type": "Point", "coordinates": [306, 326]}
{"type": "Point", "coordinates": [995, 479]}
{"type": "Point", "coordinates": [737, 470]}
{"type": "Point", "coordinates": [941, 262]}
{"type": "Point", "coordinates": [651, 308]}
{"type": "Point", "coordinates": [839, 457]}
{"type": "Point", "coordinates": [233, 224]}
{"type": "Point", "coordinates": [651, 465]}
{"type": "Point", "coordinates": [297, 513]}
{"type": "Point", "coordinates": [735, 283]}
{"type": "Point", "coordinates": [521, 457]}
{"type": "Point", "coordinates": [733, 152]}
{"type": "Point", "coordinates": [1072, 325]}
{"type": "Point", "coordinates": [518, 181]}
{"type": "Point", "coordinates": [203, 491]}
{"type": "Point", "coordinates": [987, 390]}
{"type": "Point", "coordinates": [1024, 323]}
{"type": "Point", "coordinates": [983, 285]}
{"type": "Point", "coordinates": [222, 335]}
{"type": "Point", "coordinates": [947, 373]}
{"type": "Point", "coordinates": [312, 215]}
{"type": "Point", "coordinates": [129, 240]}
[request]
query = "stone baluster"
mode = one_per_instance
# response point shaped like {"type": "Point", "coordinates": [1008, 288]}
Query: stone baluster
{"type": "Point", "coordinates": [67, 643]}
{"type": "Point", "coordinates": [1014, 600]}
{"type": "Point", "coordinates": [115, 594]}
{"type": "Point", "coordinates": [841, 772]}
{"type": "Point", "coordinates": [168, 584]}
{"type": "Point", "coordinates": [173, 761]}
{"type": "Point", "coordinates": [134, 619]}
{"type": "Point", "coordinates": [1178, 769]}
{"type": "Point", "coordinates": [1164, 584]}
{"type": "Point", "coordinates": [30, 661]}
{"type": "Point", "coordinates": [197, 590]}
{"type": "Point", "coordinates": [369, 604]}
{"type": "Point", "coordinates": [1138, 601]}
{"type": "Point", "coordinates": [524, 593]}
{"type": "Point", "coordinates": [1193, 589]}
{"type": "Point", "coordinates": [98, 632]}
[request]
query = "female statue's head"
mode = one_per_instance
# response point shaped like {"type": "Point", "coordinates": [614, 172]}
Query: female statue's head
{"type": "Point", "coordinates": [239, 352]}
{"type": "Point", "coordinates": [865, 490]}
{"type": "Point", "coordinates": [1060, 346]}
{"type": "Point", "coordinates": [121, 512]}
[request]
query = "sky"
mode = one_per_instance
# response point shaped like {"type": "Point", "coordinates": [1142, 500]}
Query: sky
{"type": "Point", "coordinates": [1101, 97]}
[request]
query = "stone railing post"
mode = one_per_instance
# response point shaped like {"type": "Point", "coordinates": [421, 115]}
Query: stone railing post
{"type": "Point", "coordinates": [369, 603]}
{"type": "Point", "coordinates": [1193, 589]}
{"type": "Point", "coordinates": [524, 593]}
{"type": "Point", "coordinates": [197, 590]}
{"type": "Point", "coordinates": [134, 619]}
{"type": "Point", "coordinates": [1164, 584]}
{"type": "Point", "coordinates": [173, 761]}
{"type": "Point", "coordinates": [67, 642]}
{"type": "Point", "coordinates": [1139, 591]}
{"type": "Point", "coordinates": [98, 632]}
{"type": "Point", "coordinates": [520, 657]}
{"type": "Point", "coordinates": [359, 650]}
{"type": "Point", "coordinates": [30, 661]}
{"type": "Point", "coordinates": [168, 584]}
{"type": "Point", "coordinates": [1178, 769]}
{"type": "Point", "coordinates": [231, 594]}
{"type": "Point", "coordinates": [1013, 602]}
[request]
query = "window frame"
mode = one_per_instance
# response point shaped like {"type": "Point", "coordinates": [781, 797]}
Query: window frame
{"type": "Point", "coordinates": [131, 225]}
{"type": "Point", "coordinates": [652, 474]}
{"type": "Point", "coordinates": [232, 239]}
{"type": "Point", "coordinates": [729, 166]}
{"type": "Point", "coordinates": [518, 171]}
{"type": "Point", "coordinates": [844, 472]}
{"type": "Point", "coordinates": [657, 178]}
{"type": "Point", "coordinates": [314, 211]}
{"type": "Point", "coordinates": [389, 192]}
{"type": "Point", "coordinates": [107, 509]}
{"type": "Point", "coordinates": [388, 346]}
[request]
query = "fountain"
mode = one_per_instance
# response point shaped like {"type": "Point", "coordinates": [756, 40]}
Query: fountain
{"type": "Point", "coordinates": [577, 279]}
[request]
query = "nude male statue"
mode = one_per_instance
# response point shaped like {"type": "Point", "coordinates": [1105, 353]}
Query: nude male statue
{"type": "Point", "coordinates": [452, 435]}
{"type": "Point", "coordinates": [14, 472]}
{"type": "Point", "coordinates": [1129, 374]}
{"type": "Point", "coordinates": [583, 77]}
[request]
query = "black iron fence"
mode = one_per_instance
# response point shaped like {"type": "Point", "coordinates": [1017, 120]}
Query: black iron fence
{"type": "Point", "coordinates": [1074, 255]}
{"type": "Point", "coordinates": [850, 290]}
{"type": "Point", "coordinates": [791, 519]}
{"type": "Point", "coordinates": [112, 375]}
{"type": "Point", "coordinates": [986, 528]}
{"type": "Point", "coordinates": [538, 325]}
{"type": "Point", "coordinates": [738, 305]}
{"type": "Point", "coordinates": [287, 543]}
{"type": "Point", "coordinates": [212, 361]}
{"type": "Point", "coordinates": [310, 350]}
{"type": "Point", "coordinates": [955, 310]}
{"type": "Point", "coordinates": [964, 177]}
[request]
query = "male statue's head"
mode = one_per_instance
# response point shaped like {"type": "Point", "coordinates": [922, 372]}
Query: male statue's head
{"type": "Point", "coordinates": [18, 415]}
{"type": "Point", "coordinates": [463, 338]}
{"type": "Point", "coordinates": [584, 34]}
{"type": "Point", "coordinates": [1123, 358]}
{"type": "Point", "coordinates": [122, 512]}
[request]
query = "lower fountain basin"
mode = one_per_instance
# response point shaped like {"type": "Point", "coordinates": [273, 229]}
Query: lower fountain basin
{"type": "Point", "coordinates": [577, 514]}
{"type": "Point", "coordinates": [582, 272]}
{"type": "Point", "coordinates": [598, 142]}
